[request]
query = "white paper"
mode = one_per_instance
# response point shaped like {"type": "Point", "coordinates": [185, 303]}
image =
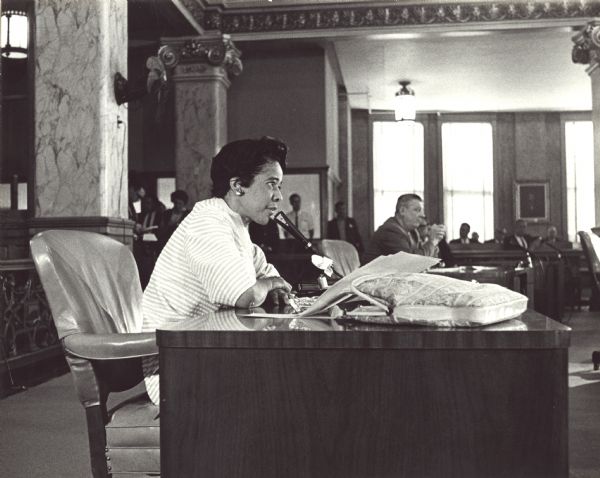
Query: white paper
{"type": "Point", "coordinates": [382, 265]}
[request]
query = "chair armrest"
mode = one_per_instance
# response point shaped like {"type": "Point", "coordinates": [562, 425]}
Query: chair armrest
{"type": "Point", "coordinates": [111, 346]}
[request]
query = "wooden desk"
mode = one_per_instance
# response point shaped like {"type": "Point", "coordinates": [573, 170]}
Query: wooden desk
{"type": "Point", "coordinates": [518, 279]}
{"type": "Point", "coordinates": [321, 398]}
{"type": "Point", "coordinates": [549, 270]}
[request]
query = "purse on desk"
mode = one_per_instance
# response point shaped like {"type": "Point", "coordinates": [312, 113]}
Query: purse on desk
{"type": "Point", "coordinates": [398, 292]}
{"type": "Point", "coordinates": [428, 299]}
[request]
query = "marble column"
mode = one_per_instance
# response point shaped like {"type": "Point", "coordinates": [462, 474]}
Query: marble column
{"type": "Point", "coordinates": [587, 51]}
{"type": "Point", "coordinates": [80, 131]}
{"type": "Point", "coordinates": [201, 69]}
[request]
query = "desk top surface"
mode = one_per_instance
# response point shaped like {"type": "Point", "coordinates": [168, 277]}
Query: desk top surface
{"type": "Point", "coordinates": [229, 329]}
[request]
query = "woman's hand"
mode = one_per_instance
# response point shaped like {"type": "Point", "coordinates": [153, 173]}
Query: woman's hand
{"type": "Point", "coordinates": [274, 287]}
{"type": "Point", "coordinates": [280, 291]}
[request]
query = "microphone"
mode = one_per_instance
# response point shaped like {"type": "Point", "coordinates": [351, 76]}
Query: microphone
{"type": "Point", "coordinates": [321, 262]}
{"type": "Point", "coordinates": [289, 226]}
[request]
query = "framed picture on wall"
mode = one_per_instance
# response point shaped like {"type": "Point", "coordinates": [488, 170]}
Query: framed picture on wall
{"type": "Point", "coordinates": [532, 201]}
{"type": "Point", "coordinates": [310, 185]}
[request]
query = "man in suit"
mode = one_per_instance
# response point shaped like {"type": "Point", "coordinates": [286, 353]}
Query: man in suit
{"type": "Point", "coordinates": [463, 234]}
{"type": "Point", "coordinates": [344, 227]}
{"type": "Point", "coordinates": [301, 219]}
{"type": "Point", "coordinates": [399, 232]}
{"type": "Point", "coordinates": [520, 239]}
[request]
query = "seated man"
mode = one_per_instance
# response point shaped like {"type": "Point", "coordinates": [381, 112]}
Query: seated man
{"type": "Point", "coordinates": [463, 233]}
{"type": "Point", "coordinates": [553, 241]}
{"type": "Point", "coordinates": [520, 239]}
{"type": "Point", "coordinates": [399, 232]}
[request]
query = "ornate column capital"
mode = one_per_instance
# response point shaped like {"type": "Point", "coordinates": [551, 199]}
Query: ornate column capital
{"type": "Point", "coordinates": [212, 49]}
{"type": "Point", "coordinates": [587, 46]}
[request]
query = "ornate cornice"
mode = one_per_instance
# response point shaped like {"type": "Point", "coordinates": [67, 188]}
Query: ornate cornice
{"type": "Point", "coordinates": [215, 50]}
{"type": "Point", "coordinates": [586, 49]}
{"type": "Point", "coordinates": [395, 15]}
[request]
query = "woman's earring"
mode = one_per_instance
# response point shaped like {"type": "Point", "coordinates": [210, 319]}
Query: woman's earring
{"type": "Point", "coordinates": [239, 192]}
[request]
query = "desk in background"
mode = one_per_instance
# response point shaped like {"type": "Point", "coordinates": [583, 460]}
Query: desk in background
{"type": "Point", "coordinates": [549, 271]}
{"type": "Point", "coordinates": [326, 399]}
{"type": "Point", "coordinates": [519, 279]}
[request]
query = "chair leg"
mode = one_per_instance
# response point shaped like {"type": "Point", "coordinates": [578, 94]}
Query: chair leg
{"type": "Point", "coordinates": [97, 439]}
{"type": "Point", "coordinates": [596, 359]}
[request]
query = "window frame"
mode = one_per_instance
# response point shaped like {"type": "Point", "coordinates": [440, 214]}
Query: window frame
{"type": "Point", "coordinates": [568, 117]}
{"type": "Point", "coordinates": [492, 119]}
{"type": "Point", "coordinates": [430, 148]}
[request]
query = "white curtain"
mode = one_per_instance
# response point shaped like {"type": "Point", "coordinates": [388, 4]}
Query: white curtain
{"type": "Point", "coordinates": [579, 149]}
{"type": "Point", "coordinates": [468, 159]}
{"type": "Point", "coordinates": [397, 165]}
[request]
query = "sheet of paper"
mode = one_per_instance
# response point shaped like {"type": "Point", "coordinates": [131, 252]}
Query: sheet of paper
{"type": "Point", "coordinates": [399, 262]}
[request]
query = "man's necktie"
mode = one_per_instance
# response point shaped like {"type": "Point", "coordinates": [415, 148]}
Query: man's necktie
{"type": "Point", "coordinates": [296, 220]}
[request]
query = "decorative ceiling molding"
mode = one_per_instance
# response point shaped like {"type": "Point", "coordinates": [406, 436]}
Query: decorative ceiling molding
{"type": "Point", "coordinates": [315, 17]}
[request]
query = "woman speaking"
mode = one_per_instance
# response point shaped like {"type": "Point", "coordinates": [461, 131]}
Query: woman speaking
{"type": "Point", "coordinates": [209, 262]}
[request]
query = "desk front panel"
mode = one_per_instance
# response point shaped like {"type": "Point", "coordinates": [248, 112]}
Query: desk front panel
{"type": "Point", "coordinates": [276, 408]}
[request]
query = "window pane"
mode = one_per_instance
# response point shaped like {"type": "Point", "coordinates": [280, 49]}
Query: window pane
{"type": "Point", "coordinates": [397, 165]}
{"type": "Point", "coordinates": [579, 150]}
{"type": "Point", "coordinates": [468, 158]}
{"type": "Point", "coordinates": [164, 188]}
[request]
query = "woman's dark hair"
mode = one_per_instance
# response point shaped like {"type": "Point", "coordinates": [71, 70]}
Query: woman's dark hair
{"type": "Point", "coordinates": [244, 158]}
{"type": "Point", "coordinates": [181, 195]}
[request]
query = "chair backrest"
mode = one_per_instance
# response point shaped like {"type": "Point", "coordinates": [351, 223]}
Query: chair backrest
{"type": "Point", "coordinates": [344, 255]}
{"type": "Point", "coordinates": [91, 282]}
{"type": "Point", "coordinates": [591, 256]}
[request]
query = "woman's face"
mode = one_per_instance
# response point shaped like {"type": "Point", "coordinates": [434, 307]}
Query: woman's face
{"type": "Point", "coordinates": [261, 199]}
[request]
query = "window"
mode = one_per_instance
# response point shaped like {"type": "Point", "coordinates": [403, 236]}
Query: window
{"type": "Point", "coordinates": [397, 165]}
{"type": "Point", "coordinates": [164, 188]}
{"type": "Point", "coordinates": [579, 155]}
{"type": "Point", "coordinates": [468, 158]}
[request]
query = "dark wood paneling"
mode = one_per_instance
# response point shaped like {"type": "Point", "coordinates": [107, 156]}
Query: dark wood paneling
{"type": "Point", "coordinates": [364, 413]}
{"type": "Point", "coordinates": [504, 171]}
{"type": "Point", "coordinates": [362, 187]}
{"type": "Point", "coordinates": [538, 158]}
{"type": "Point", "coordinates": [433, 171]}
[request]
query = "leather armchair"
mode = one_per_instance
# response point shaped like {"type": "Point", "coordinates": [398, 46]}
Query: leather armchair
{"type": "Point", "coordinates": [344, 255]}
{"type": "Point", "coordinates": [593, 263]}
{"type": "Point", "coordinates": [93, 290]}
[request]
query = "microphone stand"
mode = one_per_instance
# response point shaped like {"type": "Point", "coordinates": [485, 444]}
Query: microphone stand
{"type": "Point", "coordinates": [284, 221]}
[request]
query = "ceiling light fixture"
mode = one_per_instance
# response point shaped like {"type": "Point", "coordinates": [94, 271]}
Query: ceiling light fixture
{"type": "Point", "coordinates": [405, 107]}
{"type": "Point", "coordinates": [14, 34]}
